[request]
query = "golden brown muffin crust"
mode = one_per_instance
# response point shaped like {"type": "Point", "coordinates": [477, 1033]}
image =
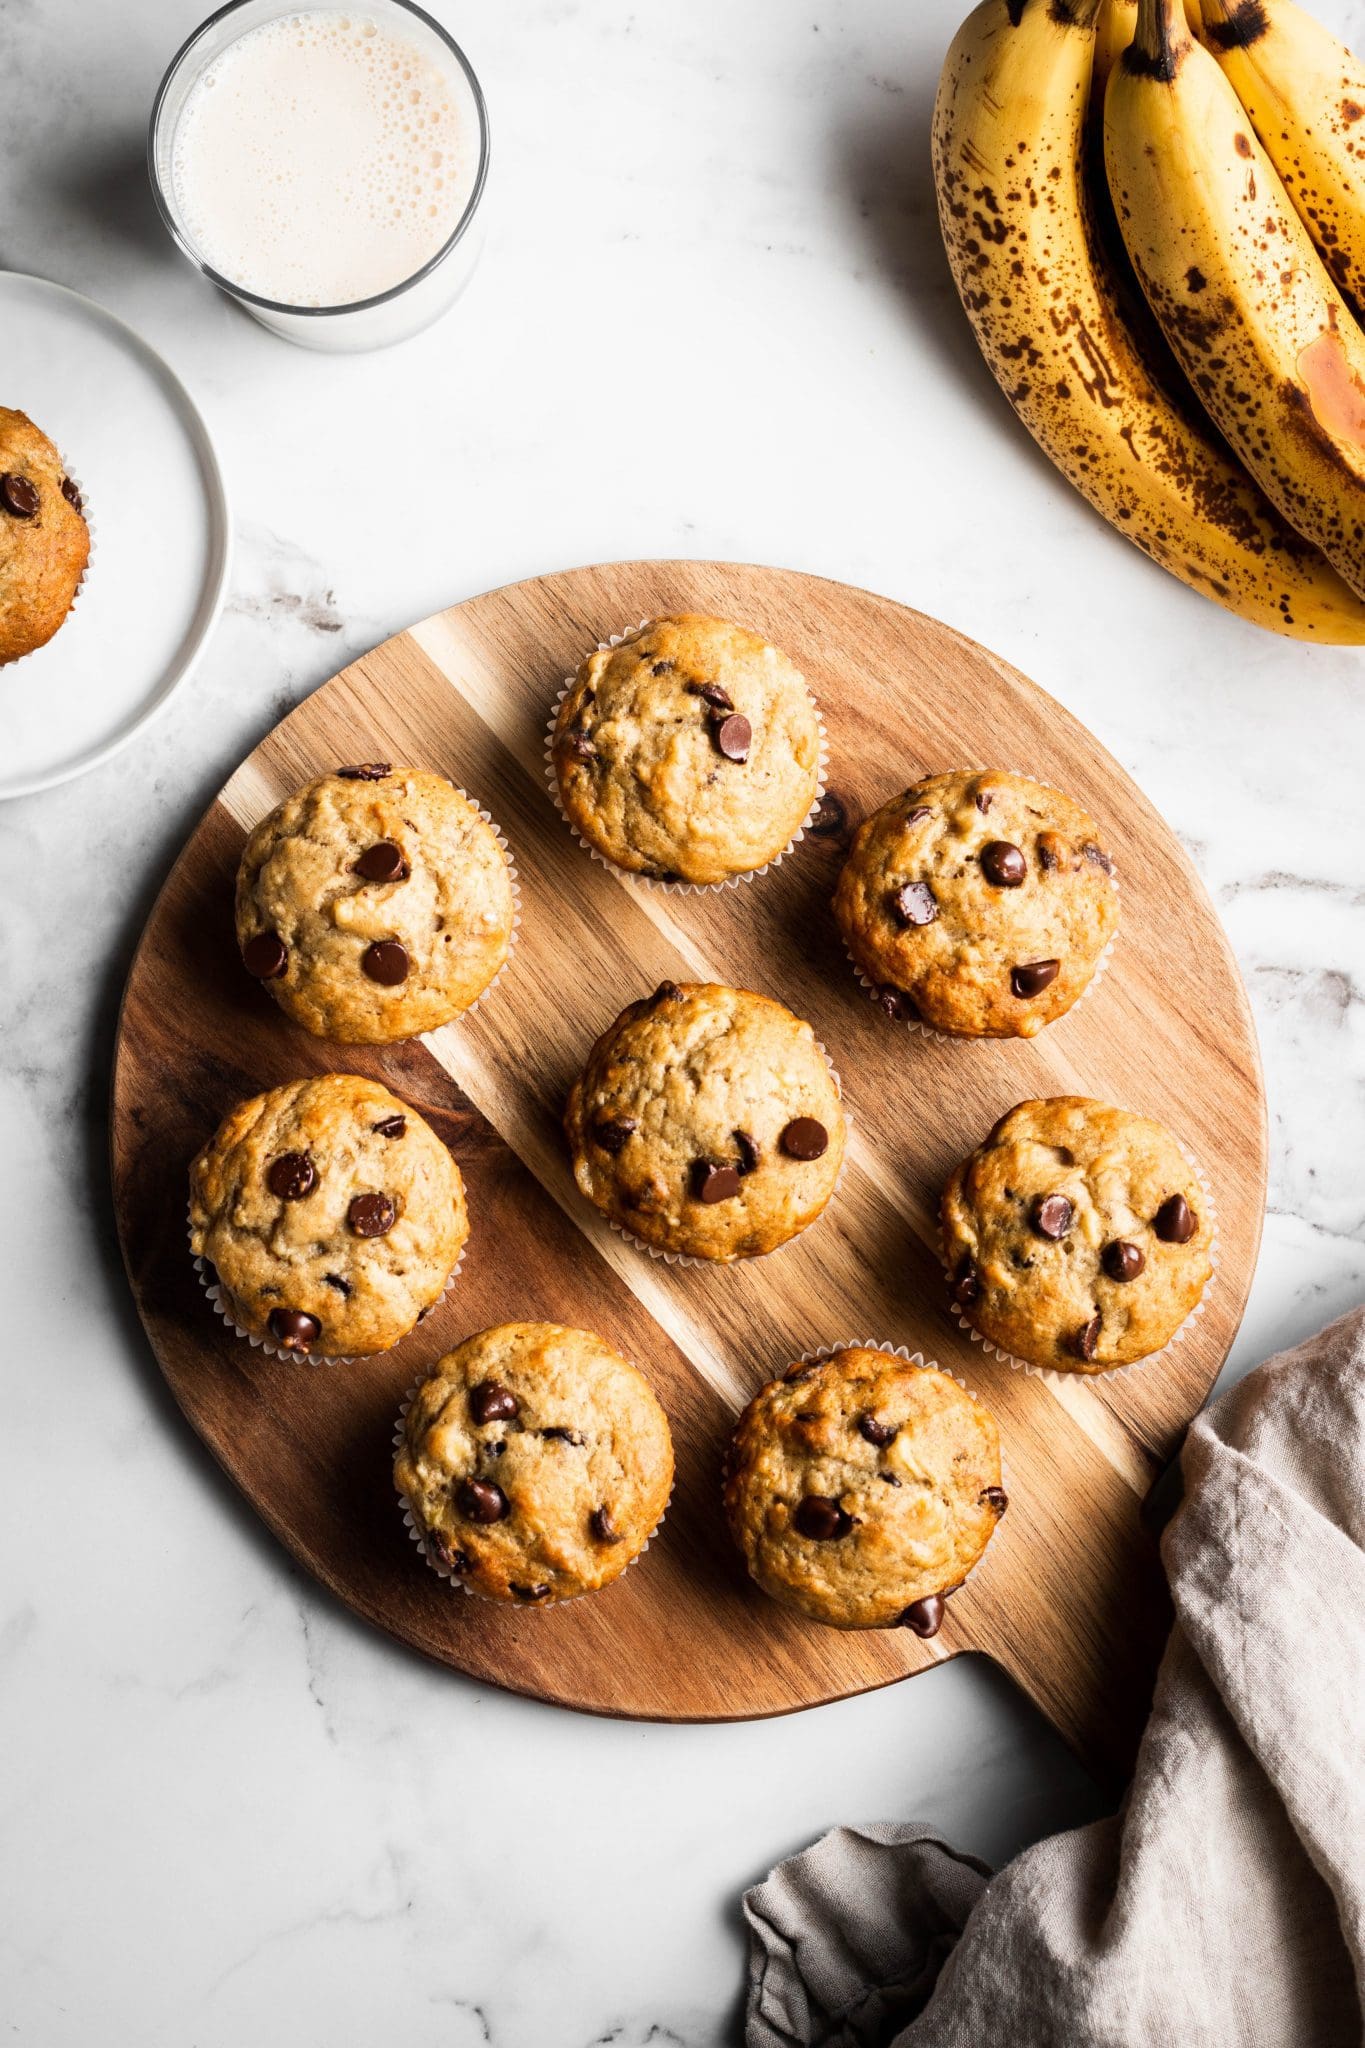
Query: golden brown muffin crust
{"type": "Point", "coordinates": [43, 551]}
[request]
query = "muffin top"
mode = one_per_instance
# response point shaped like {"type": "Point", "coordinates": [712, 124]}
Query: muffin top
{"type": "Point", "coordinates": [707, 1122]}
{"type": "Point", "coordinates": [535, 1463]}
{"type": "Point", "coordinates": [978, 902]}
{"type": "Point", "coordinates": [374, 904]}
{"type": "Point", "coordinates": [862, 1490]}
{"type": "Point", "coordinates": [689, 752]}
{"type": "Point", "coordinates": [331, 1213]}
{"type": "Point", "coordinates": [1078, 1236]}
{"type": "Point", "coordinates": [44, 541]}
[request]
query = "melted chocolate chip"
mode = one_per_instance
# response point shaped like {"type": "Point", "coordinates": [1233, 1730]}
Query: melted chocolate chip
{"type": "Point", "coordinates": [666, 992]}
{"type": "Point", "coordinates": [983, 800]}
{"type": "Point", "coordinates": [995, 1497]}
{"type": "Point", "coordinates": [925, 1616]}
{"type": "Point", "coordinates": [480, 1501]}
{"type": "Point", "coordinates": [876, 1432]}
{"type": "Point", "coordinates": [445, 1553]}
{"type": "Point", "coordinates": [821, 1519]}
{"type": "Point", "coordinates": [966, 1286]}
{"type": "Point", "coordinates": [917, 812]}
{"type": "Point", "coordinates": [1122, 1260]}
{"type": "Point", "coordinates": [799, 1371]}
{"type": "Point", "coordinates": [72, 495]}
{"type": "Point", "coordinates": [614, 1133]}
{"type": "Point", "coordinates": [266, 956]}
{"type": "Point", "coordinates": [714, 695]}
{"type": "Point", "coordinates": [805, 1137]}
{"type": "Point", "coordinates": [293, 1330]}
{"type": "Point", "coordinates": [1049, 850]}
{"type": "Point", "coordinates": [603, 1527]}
{"type": "Point", "coordinates": [831, 817]}
{"type": "Point", "coordinates": [1175, 1221]}
{"type": "Point", "coordinates": [1087, 1339]}
{"type": "Point", "coordinates": [579, 746]}
{"type": "Point", "coordinates": [18, 495]}
{"type": "Point", "coordinates": [539, 1592]}
{"type": "Point", "coordinates": [342, 1287]}
{"type": "Point", "coordinates": [888, 1479]}
{"type": "Point", "coordinates": [1033, 976]}
{"type": "Point", "coordinates": [1003, 865]}
{"type": "Point", "coordinates": [382, 862]}
{"type": "Point", "coordinates": [290, 1176]}
{"type": "Point", "coordinates": [367, 771]}
{"type": "Point", "coordinates": [1051, 1216]}
{"type": "Point", "coordinates": [390, 1126]}
{"type": "Point", "coordinates": [732, 736]}
{"type": "Point", "coordinates": [660, 668]}
{"type": "Point", "coordinates": [748, 1153]}
{"type": "Point", "coordinates": [386, 962]}
{"type": "Point", "coordinates": [558, 1434]}
{"type": "Point", "coordinates": [1098, 856]}
{"type": "Point", "coordinates": [372, 1215]}
{"type": "Point", "coordinates": [914, 904]}
{"type": "Point", "coordinates": [714, 1180]}
{"type": "Point", "coordinates": [492, 1402]}
{"type": "Point", "coordinates": [896, 1004]}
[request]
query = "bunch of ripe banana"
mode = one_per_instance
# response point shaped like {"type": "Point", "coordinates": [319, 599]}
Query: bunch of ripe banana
{"type": "Point", "coordinates": [1226, 437]}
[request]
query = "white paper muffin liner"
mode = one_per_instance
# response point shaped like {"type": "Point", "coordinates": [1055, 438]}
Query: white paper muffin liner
{"type": "Point", "coordinates": [692, 1259]}
{"type": "Point", "coordinates": [1049, 1373]}
{"type": "Point", "coordinates": [824, 1352]}
{"type": "Point", "coordinates": [649, 881]}
{"type": "Point", "coordinates": [456, 1580]}
{"type": "Point", "coordinates": [213, 1288]}
{"type": "Point", "coordinates": [916, 1025]}
{"type": "Point", "coordinates": [84, 576]}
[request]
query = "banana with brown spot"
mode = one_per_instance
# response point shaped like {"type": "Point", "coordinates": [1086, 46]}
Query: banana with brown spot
{"type": "Point", "coordinates": [1264, 335]}
{"type": "Point", "coordinates": [1046, 306]}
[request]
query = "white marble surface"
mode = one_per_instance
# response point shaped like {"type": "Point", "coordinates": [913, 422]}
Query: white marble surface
{"type": "Point", "coordinates": [713, 319]}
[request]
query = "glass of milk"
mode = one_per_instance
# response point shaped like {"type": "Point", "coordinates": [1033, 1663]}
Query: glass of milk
{"type": "Point", "coordinates": [324, 166]}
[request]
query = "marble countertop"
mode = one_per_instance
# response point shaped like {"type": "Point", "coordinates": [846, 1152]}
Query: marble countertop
{"type": "Point", "coordinates": [713, 319]}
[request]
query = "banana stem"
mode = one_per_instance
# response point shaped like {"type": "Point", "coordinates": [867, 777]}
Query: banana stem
{"type": "Point", "coordinates": [1160, 40]}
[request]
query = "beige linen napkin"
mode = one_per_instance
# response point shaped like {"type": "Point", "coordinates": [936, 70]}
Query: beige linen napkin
{"type": "Point", "coordinates": [1225, 1906]}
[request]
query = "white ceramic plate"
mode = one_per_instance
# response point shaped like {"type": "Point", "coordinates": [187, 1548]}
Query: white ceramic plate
{"type": "Point", "coordinates": [159, 520]}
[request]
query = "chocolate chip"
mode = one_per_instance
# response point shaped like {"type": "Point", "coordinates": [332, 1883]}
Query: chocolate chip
{"type": "Point", "coordinates": [879, 1433]}
{"type": "Point", "coordinates": [72, 495]}
{"type": "Point", "coordinates": [390, 1126]}
{"type": "Point", "coordinates": [983, 800]}
{"type": "Point", "coordinates": [386, 962]}
{"type": "Point", "coordinates": [896, 1004]}
{"type": "Point", "coordinates": [1003, 865]}
{"type": "Point", "coordinates": [996, 1498]}
{"type": "Point", "coordinates": [660, 668]}
{"type": "Point", "coordinates": [372, 1215]}
{"type": "Point", "coordinates": [714, 695]}
{"type": "Point", "coordinates": [966, 1287]}
{"type": "Point", "coordinates": [603, 1527]}
{"type": "Point", "coordinates": [293, 1330]}
{"type": "Point", "coordinates": [714, 1181]}
{"type": "Point", "coordinates": [613, 1135]}
{"type": "Point", "coordinates": [266, 956]}
{"type": "Point", "coordinates": [18, 495]}
{"type": "Point", "coordinates": [1123, 1261]}
{"type": "Point", "coordinates": [1087, 1338]}
{"type": "Point", "coordinates": [490, 1401]}
{"type": "Point", "coordinates": [290, 1176]}
{"type": "Point", "coordinates": [918, 811]}
{"type": "Point", "coordinates": [1098, 856]}
{"type": "Point", "coordinates": [480, 1501]}
{"type": "Point", "coordinates": [367, 771]}
{"type": "Point", "coordinates": [799, 1371]}
{"type": "Point", "coordinates": [1051, 1216]}
{"type": "Point", "coordinates": [496, 1448]}
{"type": "Point", "coordinates": [342, 1287]}
{"type": "Point", "coordinates": [748, 1153]}
{"type": "Point", "coordinates": [382, 862]}
{"type": "Point", "coordinates": [888, 1479]}
{"type": "Point", "coordinates": [558, 1434]}
{"type": "Point", "coordinates": [1175, 1221]}
{"type": "Point", "coordinates": [666, 992]}
{"type": "Point", "coordinates": [821, 1519]}
{"type": "Point", "coordinates": [732, 736]}
{"type": "Point", "coordinates": [805, 1137]}
{"type": "Point", "coordinates": [1033, 977]}
{"type": "Point", "coordinates": [540, 1592]}
{"type": "Point", "coordinates": [831, 818]}
{"type": "Point", "coordinates": [914, 904]}
{"type": "Point", "coordinates": [1049, 850]}
{"type": "Point", "coordinates": [456, 1561]}
{"type": "Point", "coordinates": [580, 747]}
{"type": "Point", "coordinates": [925, 1616]}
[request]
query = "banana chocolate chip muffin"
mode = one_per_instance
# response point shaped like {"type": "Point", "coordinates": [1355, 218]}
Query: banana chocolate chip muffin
{"type": "Point", "coordinates": [979, 903]}
{"type": "Point", "coordinates": [535, 1463]}
{"type": "Point", "coordinates": [374, 903]}
{"type": "Point", "coordinates": [690, 752]}
{"type": "Point", "coordinates": [707, 1122]}
{"type": "Point", "coordinates": [331, 1214]}
{"type": "Point", "coordinates": [863, 1489]}
{"type": "Point", "coordinates": [44, 540]}
{"type": "Point", "coordinates": [1077, 1236]}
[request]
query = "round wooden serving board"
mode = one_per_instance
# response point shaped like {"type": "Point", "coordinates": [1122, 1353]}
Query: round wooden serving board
{"type": "Point", "coordinates": [1069, 1598]}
